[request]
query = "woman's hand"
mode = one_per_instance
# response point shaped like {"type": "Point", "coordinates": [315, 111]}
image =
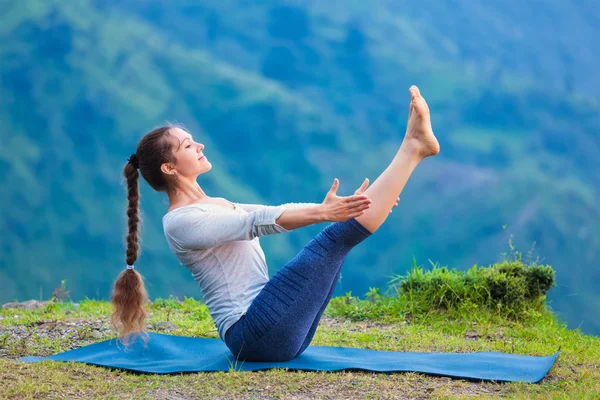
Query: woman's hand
{"type": "Point", "coordinates": [339, 209]}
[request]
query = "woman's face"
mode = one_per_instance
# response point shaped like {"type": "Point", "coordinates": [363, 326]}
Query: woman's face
{"type": "Point", "coordinates": [189, 158]}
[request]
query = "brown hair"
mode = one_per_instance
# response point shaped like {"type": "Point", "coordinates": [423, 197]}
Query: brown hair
{"type": "Point", "coordinates": [129, 296]}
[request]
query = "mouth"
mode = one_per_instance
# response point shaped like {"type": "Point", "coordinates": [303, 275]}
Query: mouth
{"type": "Point", "coordinates": [201, 158]}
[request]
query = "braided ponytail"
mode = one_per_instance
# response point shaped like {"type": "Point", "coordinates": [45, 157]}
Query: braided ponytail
{"type": "Point", "coordinates": [129, 295]}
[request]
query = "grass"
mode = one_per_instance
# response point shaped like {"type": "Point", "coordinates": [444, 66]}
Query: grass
{"type": "Point", "coordinates": [376, 322]}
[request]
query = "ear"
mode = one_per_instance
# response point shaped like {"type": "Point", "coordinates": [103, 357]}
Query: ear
{"type": "Point", "coordinates": [167, 169]}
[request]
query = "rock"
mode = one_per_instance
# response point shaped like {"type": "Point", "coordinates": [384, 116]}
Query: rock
{"type": "Point", "coordinates": [29, 304]}
{"type": "Point", "coordinates": [167, 326]}
{"type": "Point", "coordinates": [471, 335]}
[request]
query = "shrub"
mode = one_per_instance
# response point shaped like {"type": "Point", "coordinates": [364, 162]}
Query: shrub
{"type": "Point", "coordinates": [510, 288]}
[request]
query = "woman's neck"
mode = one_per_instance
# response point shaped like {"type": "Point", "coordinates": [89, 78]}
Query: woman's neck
{"type": "Point", "coordinates": [186, 193]}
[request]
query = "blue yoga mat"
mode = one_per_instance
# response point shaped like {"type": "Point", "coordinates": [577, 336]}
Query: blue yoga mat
{"type": "Point", "coordinates": [165, 354]}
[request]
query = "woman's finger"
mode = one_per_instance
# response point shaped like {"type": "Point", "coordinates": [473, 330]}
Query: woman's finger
{"type": "Point", "coordinates": [335, 186]}
{"type": "Point", "coordinates": [359, 197]}
{"type": "Point", "coordinates": [358, 209]}
{"type": "Point", "coordinates": [355, 198]}
{"type": "Point", "coordinates": [362, 187]}
{"type": "Point", "coordinates": [360, 204]}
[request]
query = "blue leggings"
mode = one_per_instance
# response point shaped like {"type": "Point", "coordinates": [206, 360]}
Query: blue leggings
{"type": "Point", "coordinates": [282, 319]}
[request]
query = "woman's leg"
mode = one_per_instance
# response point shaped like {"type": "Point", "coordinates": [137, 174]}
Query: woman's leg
{"type": "Point", "coordinates": [280, 318]}
{"type": "Point", "coordinates": [315, 324]}
{"type": "Point", "coordinates": [419, 143]}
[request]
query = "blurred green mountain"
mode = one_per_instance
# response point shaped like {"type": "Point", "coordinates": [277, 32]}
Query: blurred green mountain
{"type": "Point", "coordinates": [286, 97]}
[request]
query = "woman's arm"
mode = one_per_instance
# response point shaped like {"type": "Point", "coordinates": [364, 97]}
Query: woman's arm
{"type": "Point", "coordinates": [334, 208]}
{"type": "Point", "coordinates": [195, 228]}
{"type": "Point", "coordinates": [294, 218]}
{"type": "Point", "coordinates": [253, 207]}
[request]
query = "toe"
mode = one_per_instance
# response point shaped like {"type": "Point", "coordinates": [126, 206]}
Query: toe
{"type": "Point", "coordinates": [415, 90]}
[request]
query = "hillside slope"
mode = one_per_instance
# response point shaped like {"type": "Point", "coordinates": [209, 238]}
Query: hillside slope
{"type": "Point", "coordinates": [285, 98]}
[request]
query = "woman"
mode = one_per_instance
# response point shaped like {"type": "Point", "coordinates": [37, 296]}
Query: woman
{"type": "Point", "coordinates": [258, 318]}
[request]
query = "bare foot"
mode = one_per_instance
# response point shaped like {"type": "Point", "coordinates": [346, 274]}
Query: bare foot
{"type": "Point", "coordinates": [419, 133]}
